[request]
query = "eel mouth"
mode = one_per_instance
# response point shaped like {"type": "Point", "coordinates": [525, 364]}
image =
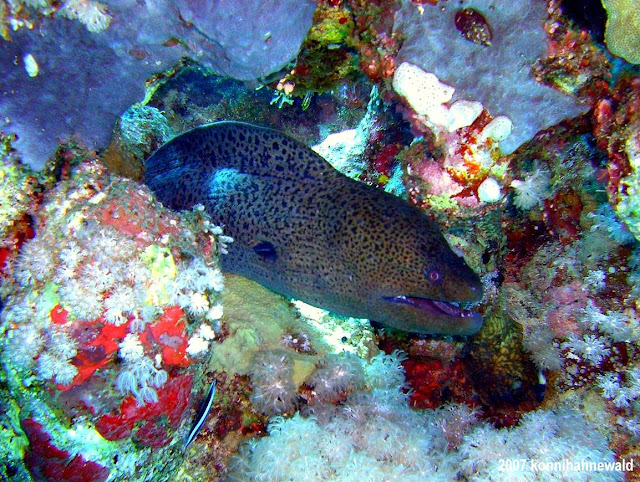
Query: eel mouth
{"type": "Point", "coordinates": [436, 307]}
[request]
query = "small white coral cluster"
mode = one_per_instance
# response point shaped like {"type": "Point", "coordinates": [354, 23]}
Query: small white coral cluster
{"type": "Point", "coordinates": [623, 389]}
{"type": "Point", "coordinates": [274, 390]}
{"type": "Point", "coordinates": [95, 271]}
{"type": "Point", "coordinates": [193, 286]}
{"type": "Point", "coordinates": [589, 347]}
{"type": "Point", "coordinates": [335, 375]}
{"type": "Point", "coordinates": [91, 14]}
{"type": "Point", "coordinates": [386, 370]}
{"type": "Point", "coordinates": [138, 376]}
{"type": "Point", "coordinates": [199, 342]}
{"type": "Point", "coordinates": [606, 329]}
{"type": "Point", "coordinates": [275, 385]}
{"type": "Point", "coordinates": [569, 325]}
{"type": "Point", "coordinates": [55, 361]}
{"type": "Point", "coordinates": [533, 190]}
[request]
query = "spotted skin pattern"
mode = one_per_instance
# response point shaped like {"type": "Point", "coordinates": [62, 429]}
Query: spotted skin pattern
{"type": "Point", "coordinates": [303, 229]}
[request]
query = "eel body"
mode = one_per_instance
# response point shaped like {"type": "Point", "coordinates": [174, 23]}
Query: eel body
{"type": "Point", "coordinates": [303, 229]}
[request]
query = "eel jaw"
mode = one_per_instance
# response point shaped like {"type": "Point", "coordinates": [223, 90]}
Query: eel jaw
{"type": "Point", "coordinates": [435, 307]}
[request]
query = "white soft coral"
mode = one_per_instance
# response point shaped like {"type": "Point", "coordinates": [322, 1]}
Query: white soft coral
{"type": "Point", "coordinates": [138, 376]}
{"type": "Point", "coordinates": [93, 15]}
{"type": "Point", "coordinates": [274, 391]}
{"type": "Point", "coordinates": [55, 361]}
{"type": "Point", "coordinates": [533, 190]}
{"type": "Point", "coordinates": [336, 375]}
{"type": "Point", "coordinates": [589, 347]}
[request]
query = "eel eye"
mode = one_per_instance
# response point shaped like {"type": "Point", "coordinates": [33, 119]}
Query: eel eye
{"type": "Point", "coordinates": [433, 275]}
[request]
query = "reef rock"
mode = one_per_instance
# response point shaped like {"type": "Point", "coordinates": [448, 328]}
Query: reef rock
{"type": "Point", "coordinates": [61, 80]}
{"type": "Point", "coordinates": [109, 314]}
{"type": "Point", "coordinates": [496, 72]}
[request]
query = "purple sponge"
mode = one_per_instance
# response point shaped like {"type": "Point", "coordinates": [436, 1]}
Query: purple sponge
{"type": "Point", "coordinates": [86, 80]}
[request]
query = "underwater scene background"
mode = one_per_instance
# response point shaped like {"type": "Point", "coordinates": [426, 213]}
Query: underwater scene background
{"type": "Point", "coordinates": [132, 349]}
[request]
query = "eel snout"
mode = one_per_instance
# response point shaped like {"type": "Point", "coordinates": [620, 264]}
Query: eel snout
{"type": "Point", "coordinates": [438, 309]}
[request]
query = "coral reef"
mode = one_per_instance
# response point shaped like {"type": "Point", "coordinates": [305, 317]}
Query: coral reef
{"type": "Point", "coordinates": [570, 283]}
{"type": "Point", "coordinates": [375, 435]}
{"type": "Point", "coordinates": [114, 317]}
{"type": "Point", "coordinates": [268, 359]}
{"type": "Point", "coordinates": [101, 307]}
{"type": "Point", "coordinates": [499, 75]}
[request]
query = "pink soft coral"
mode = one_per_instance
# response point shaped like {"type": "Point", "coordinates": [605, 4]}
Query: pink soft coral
{"type": "Point", "coordinates": [570, 301]}
{"type": "Point", "coordinates": [439, 181]}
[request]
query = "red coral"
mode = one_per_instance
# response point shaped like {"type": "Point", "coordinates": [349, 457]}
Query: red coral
{"type": "Point", "coordinates": [99, 342]}
{"type": "Point", "coordinates": [45, 461]}
{"type": "Point", "coordinates": [173, 399]}
{"type": "Point", "coordinates": [170, 331]}
{"type": "Point", "coordinates": [58, 315]}
{"type": "Point", "coordinates": [435, 383]}
{"type": "Point", "coordinates": [97, 351]}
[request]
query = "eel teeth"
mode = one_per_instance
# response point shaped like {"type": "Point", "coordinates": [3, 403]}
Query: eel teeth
{"type": "Point", "coordinates": [436, 306]}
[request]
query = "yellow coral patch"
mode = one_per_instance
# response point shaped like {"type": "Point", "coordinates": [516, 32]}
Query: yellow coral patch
{"type": "Point", "coordinates": [257, 319]}
{"type": "Point", "coordinates": [622, 33]}
{"type": "Point", "coordinates": [163, 270]}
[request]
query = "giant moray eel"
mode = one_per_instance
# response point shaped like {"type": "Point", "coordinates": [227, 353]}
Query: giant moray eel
{"type": "Point", "coordinates": [303, 229]}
